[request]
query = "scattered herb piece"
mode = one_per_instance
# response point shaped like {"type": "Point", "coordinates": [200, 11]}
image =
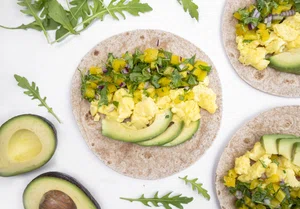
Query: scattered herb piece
{"type": "Point", "coordinates": [196, 186]}
{"type": "Point", "coordinates": [164, 201]}
{"type": "Point", "coordinates": [191, 7]}
{"type": "Point", "coordinates": [33, 91]}
{"type": "Point", "coordinates": [263, 163]}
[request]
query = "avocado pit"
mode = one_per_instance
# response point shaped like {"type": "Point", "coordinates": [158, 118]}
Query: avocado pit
{"type": "Point", "coordinates": [55, 199]}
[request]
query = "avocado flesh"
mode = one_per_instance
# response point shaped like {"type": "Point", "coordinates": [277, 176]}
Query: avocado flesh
{"type": "Point", "coordinates": [270, 144]}
{"type": "Point", "coordinates": [296, 154]}
{"type": "Point", "coordinates": [285, 146]}
{"type": "Point", "coordinates": [186, 134]}
{"type": "Point", "coordinates": [288, 62]}
{"type": "Point", "coordinates": [170, 134]}
{"type": "Point", "coordinates": [27, 142]}
{"type": "Point", "coordinates": [117, 131]}
{"type": "Point", "coordinates": [55, 181]}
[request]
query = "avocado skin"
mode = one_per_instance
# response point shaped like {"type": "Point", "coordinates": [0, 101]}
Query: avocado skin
{"type": "Point", "coordinates": [51, 125]}
{"type": "Point", "coordinates": [68, 178]}
{"type": "Point", "coordinates": [295, 70]}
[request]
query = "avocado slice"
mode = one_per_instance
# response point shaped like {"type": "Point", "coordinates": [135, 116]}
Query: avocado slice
{"type": "Point", "coordinates": [118, 131]}
{"type": "Point", "coordinates": [27, 142]}
{"type": "Point", "coordinates": [270, 144]}
{"type": "Point", "coordinates": [285, 146]}
{"type": "Point", "coordinates": [296, 154]}
{"type": "Point", "coordinates": [171, 133]}
{"type": "Point", "coordinates": [288, 62]}
{"type": "Point", "coordinates": [186, 134]}
{"type": "Point", "coordinates": [57, 190]}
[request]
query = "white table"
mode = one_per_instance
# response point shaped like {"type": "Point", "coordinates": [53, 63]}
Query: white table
{"type": "Point", "coordinates": [26, 53]}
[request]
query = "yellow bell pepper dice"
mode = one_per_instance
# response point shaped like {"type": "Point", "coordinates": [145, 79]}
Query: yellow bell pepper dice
{"type": "Point", "coordinates": [164, 91]}
{"type": "Point", "coordinates": [232, 173]}
{"type": "Point", "coordinates": [250, 35]}
{"type": "Point", "coordinates": [229, 182]}
{"type": "Point", "coordinates": [106, 78]}
{"type": "Point", "coordinates": [240, 29]}
{"type": "Point", "coordinates": [137, 96]}
{"type": "Point", "coordinates": [164, 81]}
{"type": "Point", "coordinates": [237, 16]}
{"type": "Point", "coordinates": [119, 81]}
{"type": "Point", "coordinates": [280, 195]}
{"type": "Point", "coordinates": [118, 64]}
{"type": "Point", "coordinates": [89, 93]}
{"type": "Point", "coordinates": [294, 194]}
{"type": "Point", "coordinates": [153, 65]}
{"type": "Point", "coordinates": [141, 86]}
{"type": "Point", "coordinates": [281, 8]}
{"type": "Point", "coordinates": [262, 26]}
{"type": "Point", "coordinates": [260, 206]}
{"type": "Point", "coordinates": [190, 66]}
{"type": "Point", "coordinates": [200, 74]}
{"type": "Point", "coordinates": [254, 184]}
{"type": "Point", "coordinates": [111, 88]}
{"type": "Point", "coordinates": [273, 179]}
{"type": "Point", "coordinates": [264, 34]}
{"type": "Point", "coordinates": [243, 207]}
{"type": "Point", "coordinates": [175, 60]}
{"type": "Point", "coordinates": [199, 63]}
{"type": "Point", "coordinates": [190, 96]}
{"type": "Point", "coordinates": [91, 84]}
{"type": "Point", "coordinates": [95, 70]}
{"type": "Point", "coordinates": [150, 55]}
{"type": "Point", "coordinates": [151, 92]}
{"type": "Point", "coordinates": [251, 8]}
{"type": "Point", "coordinates": [183, 74]}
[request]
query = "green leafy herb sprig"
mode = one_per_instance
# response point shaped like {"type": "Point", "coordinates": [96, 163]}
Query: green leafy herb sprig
{"type": "Point", "coordinates": [166, 201]}
{"type": "Point", "coordinates": [191, 7]}
{"type": "Point", "coordinates": [196, 186]}
{"type": "Point", "coordinates": [33, 91]}
{"type": "Point", "coordinates": [49, 15]}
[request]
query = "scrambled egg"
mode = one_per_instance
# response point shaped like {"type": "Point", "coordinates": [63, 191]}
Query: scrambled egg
{"type": "Point", "coordinates": [285, 36]}
{"type": "Point", "coordinates": [143, 113]}
{"type": "Point", "coordinates": [272, 166]}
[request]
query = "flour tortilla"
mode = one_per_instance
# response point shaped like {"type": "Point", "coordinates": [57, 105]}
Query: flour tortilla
{"type": "Point", "coordinates": [130, 159]}
{"type": "Point", "coordinates": [269, 80]}
{"type": "Point", "coordinates": [284, 120]}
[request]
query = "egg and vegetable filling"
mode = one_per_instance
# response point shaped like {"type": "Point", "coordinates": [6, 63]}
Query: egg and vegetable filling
{"type": "Point", "coordinates": [134, 88]}
{"type": "Point", "coordinates": [261, 180]}
{"type": "Point", "coordinates": [267, 28]}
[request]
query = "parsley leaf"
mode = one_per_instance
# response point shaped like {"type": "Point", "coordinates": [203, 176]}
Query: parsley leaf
{"type": "Point", "coordinates": [191, 7]}
{"type": "Point", "coordinates": [103, 96]}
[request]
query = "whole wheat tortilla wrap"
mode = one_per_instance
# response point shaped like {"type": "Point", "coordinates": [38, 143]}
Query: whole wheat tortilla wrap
{"type": "Point", "coordinates": [268, 80]}
{"type": "Point", "coordinates": [284, 120]}
{"type": "Point", "coordinates": [134, 160]}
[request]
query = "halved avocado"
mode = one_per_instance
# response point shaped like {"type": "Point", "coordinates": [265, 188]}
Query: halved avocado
{"type": "Point", "coordinates": [186, 134]}
{"type": "Point", "coordinates": [27, 142]}
{"type": "Point", "coordinates": [118, 131]}
{"type": "Point", "coordinates": [55, 190]}
{"type": "Point", "coordinates": [169, 135]}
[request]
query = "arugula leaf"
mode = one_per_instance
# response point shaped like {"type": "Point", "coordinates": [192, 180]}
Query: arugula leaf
{"type": "Point", "coordinates": [59, 14]}
{"type": "Point", "coordinates": [79, 9]}
{"type": "Point", "coordinates": [31, 9]}
{"type": "Point", "coordinates": [165, 200]}
{"type": "Point", "coordinates": [98, 11]}
{"type": "Point", "coordinates": [196, 186]}
{"type": "Point", "coordinates": [33, 91]}
{"type": "Point", "coordinates": [191, 7]}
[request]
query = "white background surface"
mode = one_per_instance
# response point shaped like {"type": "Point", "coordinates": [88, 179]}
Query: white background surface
{"type": "Point", "coordinates": [26, 53]}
